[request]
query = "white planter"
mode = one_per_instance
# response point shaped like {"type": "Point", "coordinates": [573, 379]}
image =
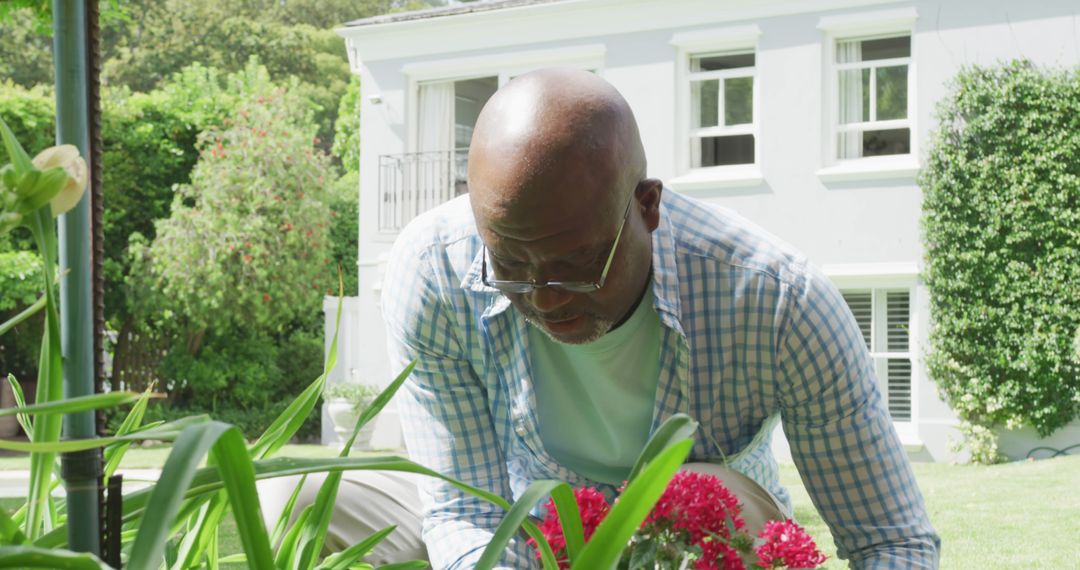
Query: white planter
{"type": "Point", "coordinates": [344, 416]}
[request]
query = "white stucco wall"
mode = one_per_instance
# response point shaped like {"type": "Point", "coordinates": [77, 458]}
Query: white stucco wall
{"type": "Point", "coordinates": [850, 226]}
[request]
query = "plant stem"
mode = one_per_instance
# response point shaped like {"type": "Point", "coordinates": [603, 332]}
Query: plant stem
{"type": "Point", "coordinates": [50, 377]}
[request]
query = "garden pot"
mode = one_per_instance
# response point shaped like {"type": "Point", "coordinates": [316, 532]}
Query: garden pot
{"type": "Point", "coordinates": [343, 414]}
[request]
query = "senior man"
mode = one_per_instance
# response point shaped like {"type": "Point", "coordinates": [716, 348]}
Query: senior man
{"type": "Point", "coordinates": [569, 304]}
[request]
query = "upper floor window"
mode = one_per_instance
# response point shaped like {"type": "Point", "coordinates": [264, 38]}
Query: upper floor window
{"type": "Point", "coordinates": [722, 109]}
{"type": "Point", "coordinates": [873, 107]}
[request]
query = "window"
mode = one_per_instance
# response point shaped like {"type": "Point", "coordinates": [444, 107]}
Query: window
{"type": "Point", "coordinates": [722, 109]}
{"type": "Point", "coordinates": [884, 316]}
{"type": "Point", "coordinates": [873, 103]}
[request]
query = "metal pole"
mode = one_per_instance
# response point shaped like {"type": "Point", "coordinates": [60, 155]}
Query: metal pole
{"type": "Point", "coordinates": [80, 471]}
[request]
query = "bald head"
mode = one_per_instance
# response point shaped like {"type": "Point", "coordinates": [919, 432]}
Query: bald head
{"type": "Point", "coordinates": [544, 126]}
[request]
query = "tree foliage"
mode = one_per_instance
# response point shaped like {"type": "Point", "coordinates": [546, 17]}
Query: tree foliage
{"type": "Point", "coordinates": [245, 244]}
{"type": "Point", "coordinates": [1002, 234]}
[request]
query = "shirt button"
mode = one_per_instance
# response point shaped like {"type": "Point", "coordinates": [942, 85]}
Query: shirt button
{"type": "Point", "coordinates": [520, 429]}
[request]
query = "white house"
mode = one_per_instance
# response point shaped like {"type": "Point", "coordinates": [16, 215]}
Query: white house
{"type": "Point", "coordinates": [809, 117]}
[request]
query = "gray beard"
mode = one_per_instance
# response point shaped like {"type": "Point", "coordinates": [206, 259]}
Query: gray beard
{"type": "Point", "coordinates": [600, 328]}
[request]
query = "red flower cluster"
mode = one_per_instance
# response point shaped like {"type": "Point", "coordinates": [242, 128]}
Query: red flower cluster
{"type": "Point", "coordinates": [787, 546]}
{"type": "Point", "coordinates": [695, 510]}
{"type": "Point", "coordinates": [593, 507]}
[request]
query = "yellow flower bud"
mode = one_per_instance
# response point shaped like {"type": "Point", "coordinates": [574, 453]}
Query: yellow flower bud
{"type": "Point", "coordinates": [67, 157]}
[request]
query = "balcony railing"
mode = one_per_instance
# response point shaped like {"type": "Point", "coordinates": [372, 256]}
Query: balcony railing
{"type": "Point", "coordinates": [415, 182]}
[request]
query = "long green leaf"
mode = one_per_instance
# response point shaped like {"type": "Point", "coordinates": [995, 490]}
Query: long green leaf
{"type": "Point", "coordinates": [238, 473]}
{"type": "Point", "coordinates": [132, 422]}
{"type": "Point", "coordinates": [208, 480]}
{"type": "Point", "coordinates": [16, 154]}
{"type": "Point", "coordinates": [314, 533]}
{"type": "Point", "coordinates": [674, 429]}
{"type": "Point", "coordinates": [570, 517]}
{"type": "Point", "coordinates": [180, 468]}
{"type": "Point", "coordinates": [20, 401]}
{"type": "Point", "coordinates": [77, 404]}
{"type": "Point", "coordinates": [610, 538]}
{"type": "Point", "coordinates": [50, 386]}
{"type": "Point", "coordinates": [286, 513]}
{"type": "Point", "coordinates": [33, 557]}
{"type": "Point", "coordinates": [164, 432]}
{"type": "Point", "coordinates": [9, 530]}
{"type": "Point", "coordinates": [25, 314]}
{"type": "Point", "coordinates": [513, 520]}
{"type": "Point", "coordinates": [289, 421]}
{"type": "Point", "coordinates": [287, 551]}
{"type": "Point", "coordinates": [344, 559]}
{"type": "Point", "coordinates": [201, 532]}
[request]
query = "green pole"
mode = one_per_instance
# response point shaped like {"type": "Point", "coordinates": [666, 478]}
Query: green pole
{"type": "Point", "coordinates": [80, 471]}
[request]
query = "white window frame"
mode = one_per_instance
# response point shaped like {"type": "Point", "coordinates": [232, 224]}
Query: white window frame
{"type": "Point", "coordinates": [867, 26]}
{"type": "Point", "coordinates": [702, 42]}
{"type": "Point", "coordinates": [505, 66]}
{"type": "Point", "coordinates": [879, 278]}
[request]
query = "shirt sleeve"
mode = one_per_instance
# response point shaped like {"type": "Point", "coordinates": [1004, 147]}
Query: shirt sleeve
{"type": "Point", "coordinates": [842, 438]}
{"type": "Point", "coordinates": [445, 417]}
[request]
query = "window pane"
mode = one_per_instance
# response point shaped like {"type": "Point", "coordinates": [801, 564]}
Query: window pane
{"type": "Point", "coordinates": [892, 92]}
{"type": "Point", "coordinates": [858, 144]}
{"type": "Point", "coordinates": [722, 151]}
{"type": "Point", "coordinates": [706, 103]}
{"type": "Point", "coordinates": [854, 96]}
{"type": "Point", "coordinates": [717, 62]}
{"type": "Point", "coordinates": [739, 101]}
{"type": "Point", "coordinates": [898, 315]}
{"type": "Point", "coordinates": [898, 386]}
{"type": "Point", "coordinates": [886, 48]}
{"type": "Point", "coordinates": [861, 307]}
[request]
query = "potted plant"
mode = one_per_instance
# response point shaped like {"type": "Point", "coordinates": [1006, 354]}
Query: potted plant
{"type": "Point", "coordinates": [344, 403]}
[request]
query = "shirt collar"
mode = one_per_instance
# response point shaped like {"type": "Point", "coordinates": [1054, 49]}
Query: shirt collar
{"type": "Point", "coordinates": [665, 275]}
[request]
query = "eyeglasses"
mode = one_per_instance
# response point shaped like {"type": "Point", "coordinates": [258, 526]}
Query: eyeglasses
{"type": "Point", "coordinates": [507, 286]}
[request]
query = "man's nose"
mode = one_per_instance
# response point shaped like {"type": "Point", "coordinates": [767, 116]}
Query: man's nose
{"type": "Point", "coordinates": [547, 300]}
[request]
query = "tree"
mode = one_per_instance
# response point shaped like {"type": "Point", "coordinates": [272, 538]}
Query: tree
{"type": "Point", "coordinates": [245, 244]}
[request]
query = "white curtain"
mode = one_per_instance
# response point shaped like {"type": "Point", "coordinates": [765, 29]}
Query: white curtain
{"type": "Point", "coordinates": [851, 97]}
{"type": "Point", "coordinates": [434, 181]}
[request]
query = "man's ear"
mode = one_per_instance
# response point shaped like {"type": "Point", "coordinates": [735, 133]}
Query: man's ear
{"type": "Point", "coordinates": [648, 199]}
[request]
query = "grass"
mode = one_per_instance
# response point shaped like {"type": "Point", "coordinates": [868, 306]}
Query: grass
{"type": "Point", "coordinates": [1016, 515]}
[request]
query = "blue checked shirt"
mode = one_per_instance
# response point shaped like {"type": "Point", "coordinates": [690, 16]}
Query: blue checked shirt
{"type": "Point", "coordinates": [751, 331]}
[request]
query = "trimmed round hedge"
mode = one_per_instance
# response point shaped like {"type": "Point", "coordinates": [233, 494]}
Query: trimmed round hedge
{"type": "Point", "coordinates": [1001, 223]}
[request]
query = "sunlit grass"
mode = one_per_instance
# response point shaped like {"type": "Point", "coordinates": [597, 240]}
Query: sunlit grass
{"type": "Point", "coordinates": [1016, 515]}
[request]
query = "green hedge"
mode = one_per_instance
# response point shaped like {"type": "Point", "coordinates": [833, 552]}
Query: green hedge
{"type": "Point", "coordinates": [1001, 220]}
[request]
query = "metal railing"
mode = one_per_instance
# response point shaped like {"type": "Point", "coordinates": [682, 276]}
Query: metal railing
{"type": "Point", "coordinates": [413, 183]}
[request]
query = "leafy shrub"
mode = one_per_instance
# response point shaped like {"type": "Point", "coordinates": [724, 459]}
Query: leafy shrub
{"type": "Point", "coordinates": [246, 242]}
{"type": "Point", "coordinates": [1002, 234]}
{"type": "Point", "coordinates": [345, 234]}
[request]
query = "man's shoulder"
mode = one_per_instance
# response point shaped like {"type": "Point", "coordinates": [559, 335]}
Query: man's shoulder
{"type": "Point", "coordinates": [721, 235]}
{"type": "Point", "coordinates": [438, 228]}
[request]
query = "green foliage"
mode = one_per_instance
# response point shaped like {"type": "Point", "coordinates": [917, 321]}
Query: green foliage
{"type": "Point", "coordinates": [246, 243]}
{"type": "Point", "coordinates": [20, 279]}
{"type": "Point", "coordinates": [29, 113]}
{"type": "Point", "coordinates": [345, 234]}
{"type": "Point", "coordinates": [981, 442]}
{"type": "Point", "coordinates": [347, 128]}
{"type": "Point", "coordinates": [1002, 234]}
{"type": "Point", "coordinates": [25, 47]}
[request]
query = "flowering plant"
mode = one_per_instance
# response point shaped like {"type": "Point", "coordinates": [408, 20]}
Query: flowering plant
{"type": "Point", "coordinates": [696, 521]}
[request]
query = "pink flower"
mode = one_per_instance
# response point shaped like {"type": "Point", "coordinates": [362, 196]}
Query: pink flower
{"type": "Point", "coordinates": [593, 506]}
{"type": "Point", "coordinates": [787, 546]}
{"type": "Point", "coordinates": [698, 504]}
{"type": "Point", "coordinates": [718, 555]}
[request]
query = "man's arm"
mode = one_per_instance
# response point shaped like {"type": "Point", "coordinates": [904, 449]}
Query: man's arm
{"type": "Point", "coordinates": [445, 417]}
{"type": "Point", "coordinates": [842, 439]}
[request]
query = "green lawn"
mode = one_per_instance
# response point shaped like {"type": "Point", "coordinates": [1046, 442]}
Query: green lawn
{"type": "Point", "coordinates": [1017, 515]}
